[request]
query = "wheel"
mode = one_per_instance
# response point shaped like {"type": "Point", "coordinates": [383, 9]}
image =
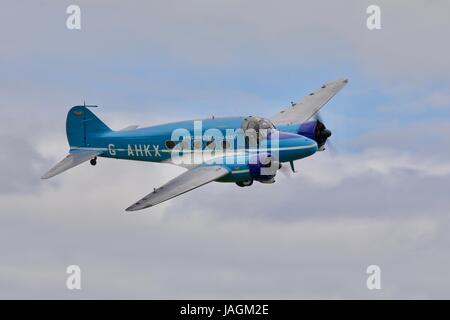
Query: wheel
{"type": "Point", "coordinates": [94, 161]}
{"type": "Point", "coordinates": [245, 183]}
{"type": "Point", "coordinates": [248, 183]}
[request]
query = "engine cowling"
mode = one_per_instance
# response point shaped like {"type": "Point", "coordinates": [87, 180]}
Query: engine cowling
{"type": "Point", "coordinates": [315, 130]}
{"type": "Point", "coordinates": [263, 167]}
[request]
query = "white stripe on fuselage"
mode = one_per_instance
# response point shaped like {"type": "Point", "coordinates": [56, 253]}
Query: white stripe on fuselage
{"type": "Point", "coordinates": [201, 151]}
{"type": "Point", "coordinates": [240, 171]}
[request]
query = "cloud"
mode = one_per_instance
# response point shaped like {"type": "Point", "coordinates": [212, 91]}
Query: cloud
{"type": "Point", "coordinates": [21, 165]}
{"type": "Point", "coordinates": [229, 33]}
{"type": "Point", "coordinates": [382, 200]}
{"type": "Point", "coordinates": [311, 238]}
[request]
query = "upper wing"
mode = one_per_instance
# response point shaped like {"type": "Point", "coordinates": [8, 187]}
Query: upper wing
{"type": "Point", "coordinates": [73, 159]}
{"type": "Point", "coordinates": [308, 106]}
{"type": "Point", "coordinates": [185, 182]}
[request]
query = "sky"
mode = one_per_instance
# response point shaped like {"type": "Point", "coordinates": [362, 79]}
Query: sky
{"type": "Point", "coordinates": [381, 199]}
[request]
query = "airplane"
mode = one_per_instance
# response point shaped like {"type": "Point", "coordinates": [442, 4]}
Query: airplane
{"type": "Point", "coordinates": [233, 149]}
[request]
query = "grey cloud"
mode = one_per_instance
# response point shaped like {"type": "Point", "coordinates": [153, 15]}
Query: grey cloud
{"type": "Point", "coordinates": [428, 138]}
{"type": "Point", "coordinates": [309, 236]}
{"type": "Point", "coordinates": [350, 187]}
{"type": "Point", "coordinates": [253, 34]}
{"type": "Point", "coordinates": [224, 242]}
{"type": "Point", "coordinates": [21, 165]}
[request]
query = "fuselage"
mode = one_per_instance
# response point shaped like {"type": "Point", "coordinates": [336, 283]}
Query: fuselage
{"type": "Point", "coordinates": [180, 142]}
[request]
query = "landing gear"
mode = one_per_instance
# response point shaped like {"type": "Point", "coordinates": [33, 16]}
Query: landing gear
{"type": "Point", "coordinates": [94, 161]}
{"type": "Point", "coordinates": [245, 183]}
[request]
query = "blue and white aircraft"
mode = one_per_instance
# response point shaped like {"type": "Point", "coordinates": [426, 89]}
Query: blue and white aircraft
{"type": "Point", "coordinates": [235, 149]}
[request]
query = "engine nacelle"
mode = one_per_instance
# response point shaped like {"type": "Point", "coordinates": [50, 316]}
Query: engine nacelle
{"type": "Point", "coordinates": [316, 131]}
{"type": "Point", "coordinates": [263, 168]}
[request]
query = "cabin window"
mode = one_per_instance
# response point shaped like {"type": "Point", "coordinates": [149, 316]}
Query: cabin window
{"type": "Point", "coordinates": [197, 144]}
{"type": "Point", "coordinates": [225, 144]}
{"type": "Point", "coordinates": [211, 144]}
{"type": "Point", "coordinates": [185, 144]}
{"type": "Point", "coordinates": [170, 144]}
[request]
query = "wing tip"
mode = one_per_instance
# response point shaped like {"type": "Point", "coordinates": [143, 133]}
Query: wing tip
{"type": "Point", "coordinates": [339, 81]}
{"type": "Point", "coordinates": [135, 207]}
{"type": "Point", "coordinates": [48, 175]}
{"type": "Point", "coordinates": [45, 176]}
{"type": "Point", "coordinates": [131, 208]}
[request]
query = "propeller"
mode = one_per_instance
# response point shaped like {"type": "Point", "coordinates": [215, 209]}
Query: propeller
{"type": "Point", "coordinates": [322, 135]}
{"type": "Point", "coordinates": [325, 134]}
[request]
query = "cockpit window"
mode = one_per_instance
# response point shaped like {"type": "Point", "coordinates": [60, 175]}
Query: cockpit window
{"type": "Point", "coordinates": [256, 128]}
{"type": "Point", "coordinates": [170, 144]}
{"type": "Point", "coordinates": [266, 124]}
{"type": "Point", "coordinates": [257, 123]}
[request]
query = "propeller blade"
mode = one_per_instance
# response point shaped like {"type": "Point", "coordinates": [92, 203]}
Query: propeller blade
{"type": "Point", "coordinates": [331, 148]}
{"type": "Point", "coordinates": [287, 171]}
{"type": "Point", "coordinates": [329, 145]}
{"type": "Point", "coordinates": [318, 117]}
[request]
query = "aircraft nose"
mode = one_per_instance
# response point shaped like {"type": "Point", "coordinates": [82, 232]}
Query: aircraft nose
{"type": "Point", "coordinates": [310, 145]}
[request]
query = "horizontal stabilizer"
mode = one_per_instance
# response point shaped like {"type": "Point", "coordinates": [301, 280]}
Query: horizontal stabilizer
{"type": "Point", "coordinates": [73, 159]}
{"type": "Point", "coordinates": [129, 128]}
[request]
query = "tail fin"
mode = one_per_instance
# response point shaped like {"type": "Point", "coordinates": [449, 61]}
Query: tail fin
{"type": "Point", "coordinates": [83, 126]}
